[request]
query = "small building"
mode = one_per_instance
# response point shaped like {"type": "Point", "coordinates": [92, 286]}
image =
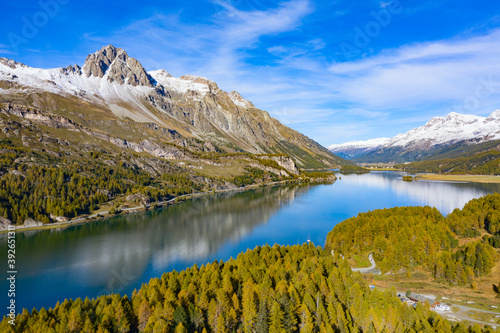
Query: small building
{"type": "Point", "coordinates": [440, 307]}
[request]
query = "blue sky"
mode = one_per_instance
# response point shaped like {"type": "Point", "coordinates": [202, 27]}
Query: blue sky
{"type": "Point", "coordinates": [334, 70]}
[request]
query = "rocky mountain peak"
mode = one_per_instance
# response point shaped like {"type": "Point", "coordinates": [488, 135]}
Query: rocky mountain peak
{"type": "Point", "coordinates": [11, 63]}
{"type": "Point", "coordinates": [98, 63]}
{"type": "Point", "coordinates": [495, 116]}
{"type": "Point", "coordinates": [75, 69]}
{"type": "Point", "coordinates": [239, 100]}
{"type": "Point", "coordinates": [212, 86]}
{"type": "Point", "coordinates": [115, 64]}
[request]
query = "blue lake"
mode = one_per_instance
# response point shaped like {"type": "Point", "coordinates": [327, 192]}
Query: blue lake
{"type": "Point", "coordinates": [120, 253]}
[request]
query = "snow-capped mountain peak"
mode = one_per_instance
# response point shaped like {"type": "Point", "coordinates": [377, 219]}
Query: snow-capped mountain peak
{"type": "Point", "coordinates": [362, 144]}
{"type": "Point", "coordinates": [447, 130]}
{"type": "Point", "coordinates": [12, 63]}
{"type": "Point", "coordinates": [495, 116]}
{"type": "Point", "coordinates": [115, 65]}
{"type": "Point", "coordinates": [452, 128]}
{"type": "Point", "coordinates": [239, 100]}
{"type": "Point", "coordinates": [353, 149]}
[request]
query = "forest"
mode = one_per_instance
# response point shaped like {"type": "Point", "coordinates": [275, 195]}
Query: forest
{"type": "Point", "coordinates": [300, 288]}
{"type": "Point", "coordinates": [483, 213]}
{"type": "Point", "coordinates": [483, 163]}
{"type": "Point", "coordinates": [346, 169]}
{"type": "Point", "coordinates": [40, 192]}
{"type": "Point", "coordinates": [408, 237]}
{"type": "Point", "coordinates": [36, 185]}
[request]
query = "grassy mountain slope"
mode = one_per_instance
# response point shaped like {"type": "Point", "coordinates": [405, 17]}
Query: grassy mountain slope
{"type": "Point", "coordinates": [480, 159]}
{"type": "Point", "coordinates": [114, 94]}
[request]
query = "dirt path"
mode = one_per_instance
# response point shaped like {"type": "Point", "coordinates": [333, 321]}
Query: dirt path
{"type": "Point", "coordinates": [464, 313]}
{"type": "Point", "coordinates": [366, 269]}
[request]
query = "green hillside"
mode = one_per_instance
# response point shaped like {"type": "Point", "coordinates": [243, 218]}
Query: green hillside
{"type": "Point", "coordinates": [481, 163]}
{"type": "Point", "coordinates": [268, 289]}
{"type": "Point", "coordinates": [400, 155]}
{"type": "Point", "coordinates": [410, 237]}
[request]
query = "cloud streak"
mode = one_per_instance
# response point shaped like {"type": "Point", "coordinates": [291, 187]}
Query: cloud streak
{"type": "Point", "coordinates": [269, 53]}
{"type": "Point", "coordinates": [445, 72]}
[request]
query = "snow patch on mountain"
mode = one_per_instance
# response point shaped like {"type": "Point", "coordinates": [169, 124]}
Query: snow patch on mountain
{"type": "Point", "coordinates": [372, 143]}
{"type": "Point", "coordinates": [181, 85]}
{"type": "Point", "coordinates": [354, 149]}
{"type": "Point", "coordinates": [239, 100]}
{"type": "Point", "coordinates": [452, 128]}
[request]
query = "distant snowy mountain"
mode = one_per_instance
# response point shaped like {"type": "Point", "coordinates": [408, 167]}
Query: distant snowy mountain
{"type": "Point", "coordinates": [439, 132]}
{"type": "Point", "coordinates": [353, 149]}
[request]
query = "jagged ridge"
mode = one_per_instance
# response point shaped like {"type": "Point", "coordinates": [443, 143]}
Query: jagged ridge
{"type": "Point", "coordinates": [190, 106]}
{"type": "Point", "coordinates": [425, 141]}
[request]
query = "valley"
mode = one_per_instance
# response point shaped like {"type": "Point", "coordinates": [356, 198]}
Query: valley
{"type": "Point", "coordinates": [219, 226]}
{"type": "Point", "coordinates": [109, 136]}
{"type": "Point", "coordinates": [227, 166]}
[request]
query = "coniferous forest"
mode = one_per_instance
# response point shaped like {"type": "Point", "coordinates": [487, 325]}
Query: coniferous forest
{"type": "Point", "coordinates": [405, 237]}
{"type": "Point", "coordinates": [300, 288]}
{"type": "Point", "coordinates": [268, 289]}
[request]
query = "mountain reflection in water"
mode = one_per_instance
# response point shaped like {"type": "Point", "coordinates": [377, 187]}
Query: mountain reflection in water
{"type": "Point", "coordinates": [119, 253]}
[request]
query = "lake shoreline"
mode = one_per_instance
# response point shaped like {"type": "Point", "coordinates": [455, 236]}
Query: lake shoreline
{"type": "Point", "coordinates": [119, 254]}
{"type": "Point", "coordinates": [461, 178]}
{"type": "Point", "coordinates": [83, 219]}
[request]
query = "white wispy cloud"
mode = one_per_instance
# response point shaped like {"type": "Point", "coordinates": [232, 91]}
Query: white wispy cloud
{"type": "Point", "coordinates": [214, 48]}
{"type": "Point", "coordinates": [6, 49]}
{"type": "Point", "coordinates": [396, 88]}
{"type": "Point", "coordinates": [447, 71]}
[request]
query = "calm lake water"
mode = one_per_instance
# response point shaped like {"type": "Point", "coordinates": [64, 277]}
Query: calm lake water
{"type": "Point", "coordinates": [120, 253]}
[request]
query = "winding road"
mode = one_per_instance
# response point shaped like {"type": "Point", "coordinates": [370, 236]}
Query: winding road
{"type": "Point", "coordinates": [366, 270]}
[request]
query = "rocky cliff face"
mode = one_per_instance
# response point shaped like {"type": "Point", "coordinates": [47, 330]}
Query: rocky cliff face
{"type": "Point", "coordinates": [55, 121]}
{"type": "Point", "coordinates": [5, 223]}
{"type": "Point", "coordinates": [117, 66]}
{"type": "Point", "coordinates": [116, 87]}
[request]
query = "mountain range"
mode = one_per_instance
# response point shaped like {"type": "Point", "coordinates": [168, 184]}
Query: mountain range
{"type": "Point", "coordinates": [117, 101]}
{"type": "Point", "coordinates": [438, 135]}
